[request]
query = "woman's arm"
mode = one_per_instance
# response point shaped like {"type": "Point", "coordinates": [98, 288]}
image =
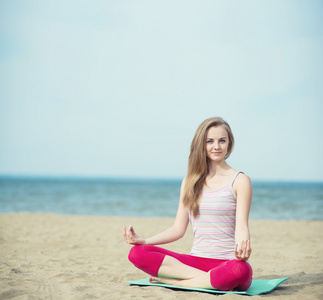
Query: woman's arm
{"type": "Point", "coordinates": [243, 189]}
{"type": "Point", "coordinates": [172, 234]}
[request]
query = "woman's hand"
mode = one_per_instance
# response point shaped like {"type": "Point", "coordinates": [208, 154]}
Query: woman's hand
{"type": "Point", "coordinates": [131, 237]}
{"type": "Point", "coordinates": [243, 251]}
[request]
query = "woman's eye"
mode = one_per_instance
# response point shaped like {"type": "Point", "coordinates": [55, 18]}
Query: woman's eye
{"type": "Point", "coordinates": [209, 141]}
{"type": "Point", "coordinates": [222, 141]}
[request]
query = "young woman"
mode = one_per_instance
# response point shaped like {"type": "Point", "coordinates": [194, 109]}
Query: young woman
{"type": "Point", "coordinates": [216, 200]}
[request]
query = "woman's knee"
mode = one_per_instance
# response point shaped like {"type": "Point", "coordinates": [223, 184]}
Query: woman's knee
{"type": "Point", "coordinates": [135, 254]}
{"type": "Point", "coordinates": [145, 258]}
{"type": "Point", "coordinates": [241, 268]}
{"type": "Point", "coordinates": [245, 274]}
{"type": "Point", "coordinates": [233, 274]}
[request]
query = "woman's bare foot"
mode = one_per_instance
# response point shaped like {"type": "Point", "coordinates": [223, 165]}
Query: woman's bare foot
{"type": "Point", "coordinates": [171, 281]}
{"type": "Point", "coordinates": [201, 281]}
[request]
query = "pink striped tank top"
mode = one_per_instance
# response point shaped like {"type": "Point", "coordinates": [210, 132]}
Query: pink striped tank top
{"type": "Point", "coordinates": [214, 227]}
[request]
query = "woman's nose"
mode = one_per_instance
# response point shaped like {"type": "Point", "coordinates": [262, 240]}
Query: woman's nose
{"type": "Point", "coordinates": [216, 145]}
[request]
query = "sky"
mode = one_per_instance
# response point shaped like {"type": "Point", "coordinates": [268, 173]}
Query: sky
{"type": "Point", "coordinates": [118, 88]}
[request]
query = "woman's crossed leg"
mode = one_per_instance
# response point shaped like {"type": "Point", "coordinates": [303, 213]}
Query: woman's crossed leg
{"type": "Point", "coordinates": [190, 271]}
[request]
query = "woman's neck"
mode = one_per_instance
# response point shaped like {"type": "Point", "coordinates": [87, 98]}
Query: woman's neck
{"type": "Point", "coordinates": [218, 169]}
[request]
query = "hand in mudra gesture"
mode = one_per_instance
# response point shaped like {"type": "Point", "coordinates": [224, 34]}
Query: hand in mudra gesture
{"type": "Point", "coordinates": [131, 237]}
{"type": "Point", "coordinates": [243, 251]}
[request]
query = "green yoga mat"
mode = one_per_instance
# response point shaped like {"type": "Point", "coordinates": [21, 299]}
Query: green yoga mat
{"type": "Point", "coordinates": [257, 287]}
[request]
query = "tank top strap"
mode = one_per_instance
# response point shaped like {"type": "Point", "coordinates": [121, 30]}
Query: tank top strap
{"type": "Point", "coordinates": [234, 177]}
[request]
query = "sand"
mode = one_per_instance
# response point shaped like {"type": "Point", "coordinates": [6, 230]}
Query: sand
{"type": "Point", "coordinates": [50, 256]}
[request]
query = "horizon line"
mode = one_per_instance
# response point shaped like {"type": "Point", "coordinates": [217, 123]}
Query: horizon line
{"type": "Point", "coordinates": [136, 178]}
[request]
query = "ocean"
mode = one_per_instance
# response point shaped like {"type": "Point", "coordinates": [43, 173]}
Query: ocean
{"type": "Point", "coordinates": [148, 198]}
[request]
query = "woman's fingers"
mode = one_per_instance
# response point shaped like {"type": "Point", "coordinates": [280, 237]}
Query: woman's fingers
{"type": "Point", "coordinates": [242, 251]}
{"type": "Point", "coordinates": [249, 249]}
{"type": "Point", "coordinates": [236, 250]}
{"type": "Point", "coordinates": [131, 237]}
{"type": "Point", "coordinates": [127, 234]}
{"type": "Point", "coordinates": [131, 230]}
{"type": "Point", "coordinates": [243, 247]}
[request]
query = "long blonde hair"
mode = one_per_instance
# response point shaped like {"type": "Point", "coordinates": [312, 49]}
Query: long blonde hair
{"type": "Point", "coordinates": [198, 166]}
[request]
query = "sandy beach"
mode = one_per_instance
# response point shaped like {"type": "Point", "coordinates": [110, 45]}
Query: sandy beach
{"type": "Point", "coordinates": [50, 256]}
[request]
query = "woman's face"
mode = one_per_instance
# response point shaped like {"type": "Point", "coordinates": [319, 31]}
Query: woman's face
{"type": "Point", "coordinates": [217, 142]}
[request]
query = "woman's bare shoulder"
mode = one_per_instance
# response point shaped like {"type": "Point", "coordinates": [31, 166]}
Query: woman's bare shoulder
{"type": "Point", "coordinates": [242, 181]}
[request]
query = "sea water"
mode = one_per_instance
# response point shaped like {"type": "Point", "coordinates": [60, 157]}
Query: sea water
{"type": "Point", "coordinates": [148, 198]}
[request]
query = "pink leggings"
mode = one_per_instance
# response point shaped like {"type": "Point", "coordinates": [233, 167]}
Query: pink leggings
{"type": "Point", "coordinates": [225, 274]}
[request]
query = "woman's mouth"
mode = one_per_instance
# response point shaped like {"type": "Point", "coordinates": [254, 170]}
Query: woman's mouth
{"type": "Point", "coordinates": [216, 153]}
